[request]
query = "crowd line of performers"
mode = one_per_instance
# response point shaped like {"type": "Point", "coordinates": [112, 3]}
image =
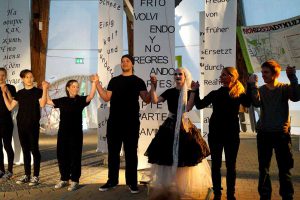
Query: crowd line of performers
{"type": "Point", "coordinates": [178, 152]}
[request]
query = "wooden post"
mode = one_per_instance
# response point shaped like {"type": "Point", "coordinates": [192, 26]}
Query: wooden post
{"type": "Point", "coordinates": [240, 62]}
{"type": "Point", "coordinates": [39, 38]}
{"type": "Point", "coordinates": [130, 33]}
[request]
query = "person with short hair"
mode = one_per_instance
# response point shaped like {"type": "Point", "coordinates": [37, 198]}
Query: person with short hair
{"type": "Point", "coordinates": [123, 124]}
{"type": "Point", "coordinates": [30, 99]}
{"type": "Point", "coordinates": [6, 127]}
{"type": "Point", "coordinates": [273, 126]}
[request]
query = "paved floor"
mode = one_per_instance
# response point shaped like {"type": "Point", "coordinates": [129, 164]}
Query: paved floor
{"type": "Point", "coordinates": [94, 173]}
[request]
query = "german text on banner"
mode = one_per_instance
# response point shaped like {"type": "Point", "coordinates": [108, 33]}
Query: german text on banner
{"type": "Point", "coordinates": [110, 44]}
{"type": "Point", "coordinates": [15, 38]}
{"type": "Point", "coordinates": [219, 46]}
{"type": "Point", "coordinates": [279, 40]}
{"type": "Point", "coordinates": [154, 38]}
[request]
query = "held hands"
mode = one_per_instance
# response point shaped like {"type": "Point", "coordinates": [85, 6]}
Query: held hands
{"type": "Point", "coordinates": [153, 80]}
{"type": "Point", "coordinates": [253, 79]}
{"type": "Point", "coordinates": [94, 78]}
{"type": "Point", "coordinates": [290, 71]}
{"type": "Point", "coordinates": [195, 85]}
{"type": "Point", "coordinates": [45, 85]}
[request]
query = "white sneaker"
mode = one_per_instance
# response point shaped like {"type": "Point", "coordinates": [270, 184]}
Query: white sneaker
{"type": "Point", "coordinates": [34, 181]}
{"type": "Point", "coordinates": [61, 184]}
{"type": "Point", "coordinates": [7, 175]}
{"type": "Point", "coordinates": [23, 179]}
{"type": "Point", "coordinates": [73, 186]}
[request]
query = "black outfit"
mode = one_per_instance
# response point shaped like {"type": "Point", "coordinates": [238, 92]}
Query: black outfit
{"type": "Point", "coordinates": [6, 131]}
{"type": "Point", "coordinates": [224, 132]}
{"type": "Point", "coordinates": [28, 118]}
{"type": "Point", "coordinates": [70, 136]}
{"type": "Point", "coordinates": [123, 126]}
{"type": "Point", "coordinates": [160, 150]}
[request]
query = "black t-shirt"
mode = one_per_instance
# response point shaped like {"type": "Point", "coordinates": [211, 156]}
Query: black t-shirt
{"type": "Point", "coordinates": [124, 102]}
{"type": "Point", "coordinates": [224, 119]}
{"type": "Point", "coordinates": [70, 112]}
{"type": "Point", "coordinates": [29, 107]}
{"type": "Point", "coordinates": [4, 112]}
{"type": "Point", "coordinates": [171, 96]}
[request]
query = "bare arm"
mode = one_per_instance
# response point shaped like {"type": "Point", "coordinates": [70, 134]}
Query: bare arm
{"type": "Point", "coordinates": [191, 102]}
{"type": "Point", "coordinates": [104, 94]}
{"type": "Point", "coordinates": [95, 80]}
{"type": "Point", "coordinates": [154, 98]}
{"type": "Point", "coordinates": [10, 104]}
{"type": "Point", "coordinates": [43, 99]}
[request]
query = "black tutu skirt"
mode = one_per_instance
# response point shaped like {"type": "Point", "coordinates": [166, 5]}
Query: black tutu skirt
{"type": "Point", "coordinates": [192, 147]}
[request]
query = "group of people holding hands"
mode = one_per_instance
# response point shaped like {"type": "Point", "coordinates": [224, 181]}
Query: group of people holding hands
{"type": "Point", "coordinates": [178, 145]}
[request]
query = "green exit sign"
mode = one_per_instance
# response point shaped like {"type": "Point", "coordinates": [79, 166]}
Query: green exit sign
{"type": "Point", "coordinates": [79, 61]}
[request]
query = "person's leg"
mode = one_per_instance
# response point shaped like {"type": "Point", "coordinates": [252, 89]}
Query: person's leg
{"type": "Point", "coordinates": [35, 150]}
{"type": "Point", "coordinates": [114, 144]}
{"type": "Point", "coordinates": [264, 150]}
{"type": "Point", "coordinates": [63, 153]}
{"type": "Point", "coordinates": [25, 145]}
{"type": "Point", "coordinates": [285, 163]}
{"type": "Point", "coordinates": [216, 149]}
{"type": "Point", "coordinates": [76, 157]}
{"type": "Point", "coordinates": [2, 132]}
{"type": "Point", "coordinates": [131, 158]}
{"type": "Point", "coordinates": [7, 138]}
{"type": "Point", "coordinates": [231, 150]}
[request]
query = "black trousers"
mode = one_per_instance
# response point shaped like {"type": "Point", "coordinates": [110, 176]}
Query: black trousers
{"type": "Point", "coordinates": [128, 134]}
{"type": "Point", "coordinates": [6, 132]}
{"type": "Point", "coordinates": [231, 147]}
{"type": "Point", "coordinates": [29, 139]}
{"type": "Point", "coordinates": [69, 152]}
{"type": "Point", "coordinates": [281, 143]}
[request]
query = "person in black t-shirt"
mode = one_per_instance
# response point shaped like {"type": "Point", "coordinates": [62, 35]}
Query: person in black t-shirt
{"type": "Point", "coordinates": [29, 99]}
{"type": "Point", "coordinates": [123, 124]}
{"type": "Point", "coordinates": [70, 134]}
{"type": "Point", "coordinates": [224, 128]}
{"type": "Point", "coordinates": [6, 127]}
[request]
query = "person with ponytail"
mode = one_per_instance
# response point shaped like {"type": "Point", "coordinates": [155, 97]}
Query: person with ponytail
{"type": "Point", "coordinates": [177, 152]}
{"type": "Point", "coordinates": [224, 128]}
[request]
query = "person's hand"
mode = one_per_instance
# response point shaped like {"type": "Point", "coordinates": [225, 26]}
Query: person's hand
{"type": "Point", "coordinates": [4, 88]}
{"type": "Point", "coordinates": [195, 85]}
{"type": "Point", "coordinates": [253, 79]}
{"type": "Point", "coordinates": [45, 85]}
{"type": "Point", "coordinates": [290, 71]}
{"type": "Point", "coordinates": [153, 80]}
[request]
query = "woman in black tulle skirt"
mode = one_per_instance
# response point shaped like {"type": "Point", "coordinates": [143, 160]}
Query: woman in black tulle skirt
{"type": "Point", "coordinates": [177, 152]}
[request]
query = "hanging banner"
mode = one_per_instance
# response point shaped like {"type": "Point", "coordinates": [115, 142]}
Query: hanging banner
{"type": "Point", "coordinates": [15, 38]}
{"type": "Point", "coordinates": [154, 38]}
{"type": "Point", "coordinates": [15, 52]}
{"type": "Point", "coordinates": [219, 47]}
{"type": "Point", "coordinates": [110, 43]}
{"type": "Point", "coordinates": [279, 40]}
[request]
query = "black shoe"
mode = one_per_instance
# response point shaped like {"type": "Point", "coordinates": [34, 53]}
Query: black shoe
{"type": "Point", "coordinates": [231, 197]}
{"type": "Point", "coordinates": [107, 186]}
{"type": "Point", "coordinates": [134, 189]}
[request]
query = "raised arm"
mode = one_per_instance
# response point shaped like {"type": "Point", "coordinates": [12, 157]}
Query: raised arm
{"type": "Point", "coordinates": [104, 94]}
{"type": "Point", "coordinates": [10, 103]}
{"type": "Point", "coordinates": [191, 102]}
{"type": "Point", "coordinates": [43, 99]}
{"type": "Point", "coordinates": [294, 87]}
{"type": "Point", "coordinates": [254, 92]}
{"type": "Point", "coordinates": [154, 98]}
{"type": "Point", "coordinates": [95, 80]}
